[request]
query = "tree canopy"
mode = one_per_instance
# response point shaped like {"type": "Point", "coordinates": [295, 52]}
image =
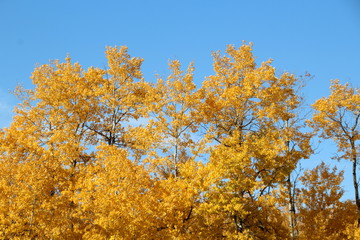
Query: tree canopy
{"type": "Point", "coordinates": [103, 154]}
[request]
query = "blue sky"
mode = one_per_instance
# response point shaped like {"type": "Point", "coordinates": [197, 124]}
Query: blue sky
{"type": "Point", "coordinates": [321, 37]}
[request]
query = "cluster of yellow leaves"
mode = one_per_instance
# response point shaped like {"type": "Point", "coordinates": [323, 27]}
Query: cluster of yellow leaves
{"type": "Point", "coordinates": [338, 117]}
{"type": "Point", "coordinates": [102, 154]}
{"type": "Point", "coordinates": [322, 214]}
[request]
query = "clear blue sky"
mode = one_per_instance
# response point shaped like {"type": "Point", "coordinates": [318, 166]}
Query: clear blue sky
{"type": "Point", "coordinates": [321, 37]}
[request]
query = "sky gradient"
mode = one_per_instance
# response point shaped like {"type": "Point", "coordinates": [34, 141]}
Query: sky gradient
{"type": "Point", "coordinates": [319, 37]}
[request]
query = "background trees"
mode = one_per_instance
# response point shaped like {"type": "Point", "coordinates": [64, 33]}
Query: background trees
{"type": "Point", "coordinates": [338, 117]}
{"type": "Point", "coordinates": [103, 154]}
{"type": "Point", "coordinates": [322, 215]}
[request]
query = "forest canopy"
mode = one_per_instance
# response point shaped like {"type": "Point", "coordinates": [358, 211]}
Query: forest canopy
{"type": "Point", "coordinates": [101, 153]}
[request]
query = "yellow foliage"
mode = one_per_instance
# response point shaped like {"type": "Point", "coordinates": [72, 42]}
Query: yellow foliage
{"type": "Point", "coordinates": [103, 154]}
{"type": "Point", "coordinates": [337, 117]}
{"type": "Point", "coordinates": [321, 213]}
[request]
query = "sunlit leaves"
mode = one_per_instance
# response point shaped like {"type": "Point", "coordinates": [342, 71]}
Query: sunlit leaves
{"type": "Point", "coordinates": [100, 153]}
{"type": "Point", "coordinates": [337, 117]}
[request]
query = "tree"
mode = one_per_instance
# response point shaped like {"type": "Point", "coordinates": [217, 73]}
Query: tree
{"type": "Point", "coordinates": [102, 154]}
{"type": "Point", "coordinates": [246, 108]}
{"type": "Point", "coordinates": [47, 139]}
{"type": "Point", "coordinates": [337, 117]}
{"type": "Point", "coordinates": [68, 113]}
{"type": "Point", "coordinates": [119, 98]}
{"type": "Point", "coordinates": [174, 122]}
{"type": "Point", "coordinates": [322, 214]}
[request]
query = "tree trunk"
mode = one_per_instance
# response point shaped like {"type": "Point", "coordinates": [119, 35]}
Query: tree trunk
{"type": "Point", "coordinates": [356, 184]}
{"type": "Point", "coordinates": [291, 195]}
{"type": "Point", "coordinates": [292, 211]}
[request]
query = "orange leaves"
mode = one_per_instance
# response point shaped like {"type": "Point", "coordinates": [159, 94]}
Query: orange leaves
{"type": "Point", "coordinates": [321, 187]}
{"type": "Point", "coordinates": [121, 65]}
{"type": "Point", "coordinates": [175, 119]}
{"type": "Point", "coordinates": [248, 110]}
{"type": "Point", "coordinates": [321, 212]}
{"type": "Point", "coordinates": [102, 154]}
{"type": "Point", "coordinates": [337, 117]}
